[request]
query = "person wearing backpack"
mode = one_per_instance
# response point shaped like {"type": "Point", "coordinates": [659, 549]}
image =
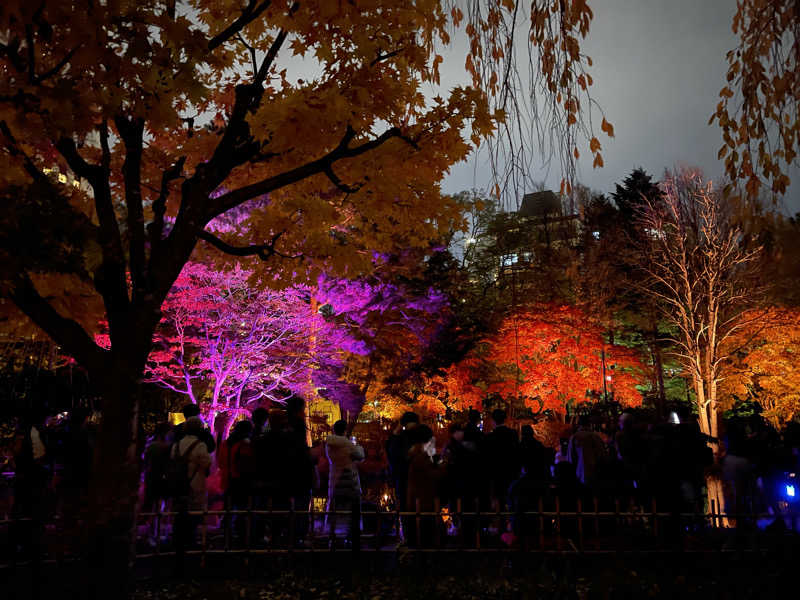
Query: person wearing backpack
{"type": "Point", "coordinates": [188, 470]}
{"type": "Point", "coordinates": [189, 411]}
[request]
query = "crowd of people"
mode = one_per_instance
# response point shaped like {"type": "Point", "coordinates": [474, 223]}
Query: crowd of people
{"type": "Point", "coordinates": [482, 468]}
{"type": "Point", "coordinates": [265, 462]}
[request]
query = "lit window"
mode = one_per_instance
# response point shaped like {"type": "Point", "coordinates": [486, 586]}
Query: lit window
{"type": "Point", "coordinates": [509, 259]}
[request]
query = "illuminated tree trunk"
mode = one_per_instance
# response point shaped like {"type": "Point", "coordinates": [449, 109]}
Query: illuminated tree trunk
{"type": "Point", "coordinates": [658, 369]}
{"type": "Point", "coordinates": [312, 351]}
{"type": "Point", "coordinates": [707, 416]}
{"type": "Point", "coordinates": [702, 276]}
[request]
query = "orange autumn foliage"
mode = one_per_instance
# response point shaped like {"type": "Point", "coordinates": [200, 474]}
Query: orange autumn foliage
{"type": "Point", "coordinates": [765, 365]}
{"type": "Point", "coordinates": [552, 355]}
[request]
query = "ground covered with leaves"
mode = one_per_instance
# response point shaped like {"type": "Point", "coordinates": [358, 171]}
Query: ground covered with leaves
{"type": "Point", "coordinates": [602, 579]}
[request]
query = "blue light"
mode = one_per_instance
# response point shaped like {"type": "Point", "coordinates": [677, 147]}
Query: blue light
{"type": "Point", "coordinates": [790, 491]}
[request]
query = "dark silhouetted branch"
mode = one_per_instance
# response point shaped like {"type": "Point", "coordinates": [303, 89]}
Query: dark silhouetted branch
{"type": "Point", "coordinates": [65, 332]}
{"type": "Point", "coordinates": [262, 251]}
{"type": "Point", "coordinates": [322, 165]}
{"type": "Point", "coordinates": [250, 13]}
{"type": "Point", "coordinates": [156, 228]}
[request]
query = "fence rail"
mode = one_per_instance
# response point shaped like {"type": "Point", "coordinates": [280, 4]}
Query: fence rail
{"type": "Point", "coordinates": [589, 526]}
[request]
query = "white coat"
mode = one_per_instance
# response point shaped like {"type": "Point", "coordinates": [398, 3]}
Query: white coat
{"type": "Point", "coordinates": [343, 480]}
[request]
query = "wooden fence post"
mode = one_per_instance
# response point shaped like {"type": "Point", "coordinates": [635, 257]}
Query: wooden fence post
{"type": "Point", "coordinates": [558, 523]}
{"type": "Point", "coordinates": [477, 523]}
{"type": "Point", "coordinates": [355, 527]}
{"type": "Point", "coordinates": [437, 521]}
{"type": "Point", "coordinates": [417, 520]}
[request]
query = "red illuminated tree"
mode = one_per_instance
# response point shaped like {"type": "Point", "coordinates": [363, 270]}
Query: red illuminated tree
{"type": "Point", "coordinates": [551, 355]}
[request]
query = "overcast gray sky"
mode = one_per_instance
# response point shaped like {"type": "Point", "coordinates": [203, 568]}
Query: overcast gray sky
{"type": "Point", "coordinates": [658, 68]}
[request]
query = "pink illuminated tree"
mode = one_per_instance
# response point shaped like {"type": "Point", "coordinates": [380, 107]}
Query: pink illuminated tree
{"type": "Point", "coordinates": [228, 342]}
{"type": "Point", "coordinates": [223, 338]}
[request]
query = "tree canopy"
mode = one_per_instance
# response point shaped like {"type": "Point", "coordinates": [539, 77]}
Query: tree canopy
{"type": "Point", "coordinates": [554, 356]}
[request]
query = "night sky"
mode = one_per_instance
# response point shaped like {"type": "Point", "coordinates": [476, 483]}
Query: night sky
{"type": "Point", "coordinates": [658, 69]}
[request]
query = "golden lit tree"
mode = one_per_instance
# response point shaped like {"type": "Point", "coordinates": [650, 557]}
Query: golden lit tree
{"type": "Point", "coordinates": [763, 365]}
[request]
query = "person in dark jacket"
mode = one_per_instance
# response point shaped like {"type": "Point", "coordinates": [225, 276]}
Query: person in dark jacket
{"type": "Point", "coordinates": [461, 462]}
{"type": "Point", "coordinates": [299, 472]}
{"type": "Point", "coordinates": [587, 450]}
{"type": "Point", "coordinates": [259, 418]}
{"type": "Point", "coordinates": [472, 431]}
{"type": "Point", "coordinates": [236, 461]}
{"type": "Point", "coordinates": [284, 471]}
{"type": "Point", "coordinates": [189, 411]}
{"type": "Point", "coordinates": [525, 495]}
{"type": "Point", "coordinates": [269, 476]}
{"type": "Point", "coordinates": [397, 447]}
{"type": "Point", "coordinates": [535, 458]}
{"type": "Point", "coordinates": [156, 461]}
{"type": "Point", "coordinates": [156, 465]}
{"type": "Point", "coordinates": [425, 476]}
{"type": "Point", "coordinates": [502, 456]}
{"type": "Point", "coordinates": [463, 482]}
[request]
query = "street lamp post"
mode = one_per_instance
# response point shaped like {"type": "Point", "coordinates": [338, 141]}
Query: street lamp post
{"type": "Point", "coordinates": [605, 388]}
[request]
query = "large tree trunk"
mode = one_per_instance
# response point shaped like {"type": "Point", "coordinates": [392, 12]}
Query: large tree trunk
{"type": "Point", "coordinates": [115, 482]}
{"type": "Point", "coordinates": [708, 425]}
